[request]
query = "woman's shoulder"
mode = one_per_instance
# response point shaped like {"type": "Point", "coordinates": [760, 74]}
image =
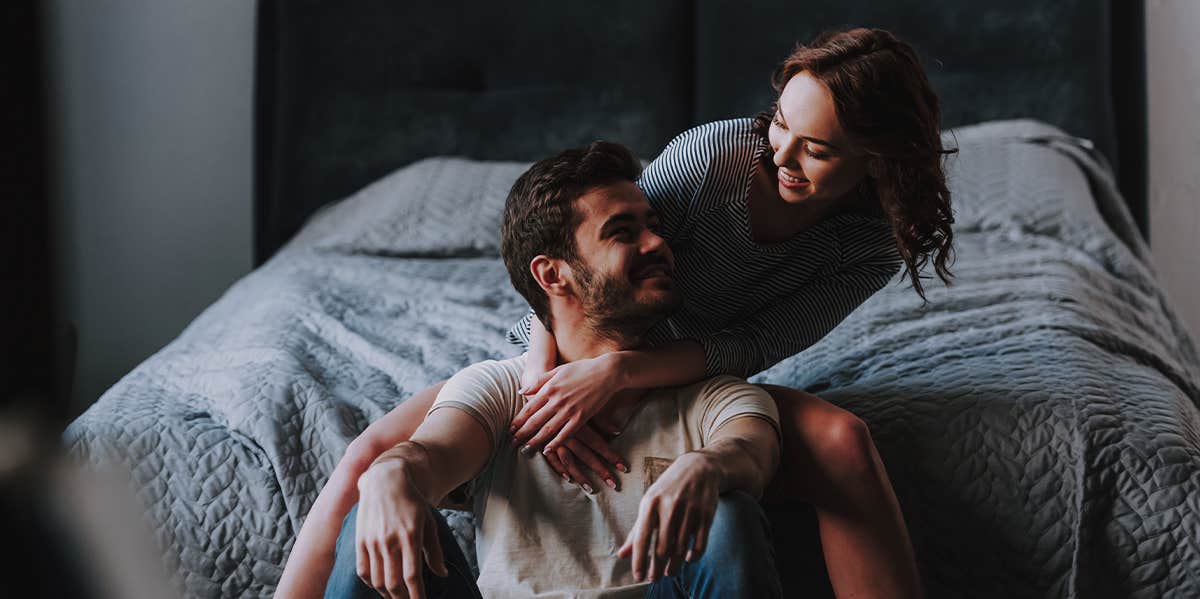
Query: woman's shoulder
{"type": "Point", "coordinates": [720, 150]}
{"type": "Point", "coordinates": [718, 138]}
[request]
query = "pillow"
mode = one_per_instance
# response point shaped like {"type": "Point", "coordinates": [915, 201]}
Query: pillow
{"type": "Point", "coordinates": [436, 207]}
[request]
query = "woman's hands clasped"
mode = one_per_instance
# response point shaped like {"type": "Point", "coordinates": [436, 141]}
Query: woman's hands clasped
{"type": "Point", "coordinates": [560, 413]}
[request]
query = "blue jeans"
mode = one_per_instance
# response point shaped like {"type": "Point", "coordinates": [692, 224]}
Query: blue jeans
{"type": "Point", "coordinates": [738, 562]}
{"type": "Point", "coordinates": [344, 582]}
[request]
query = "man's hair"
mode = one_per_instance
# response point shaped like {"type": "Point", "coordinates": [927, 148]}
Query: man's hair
{"type": "Point", "coordinates": [540, 216]}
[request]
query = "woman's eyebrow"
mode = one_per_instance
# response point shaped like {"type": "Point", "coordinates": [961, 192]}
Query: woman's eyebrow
{"type": "Point", "coordinates": [779, 111]}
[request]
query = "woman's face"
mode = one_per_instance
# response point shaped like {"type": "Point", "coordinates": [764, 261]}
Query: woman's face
{"type": "Point", "coordinates": [812, 155]}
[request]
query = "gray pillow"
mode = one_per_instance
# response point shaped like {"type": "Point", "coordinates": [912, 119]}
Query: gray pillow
{"type": "Point", "coordinates": [442, 206]}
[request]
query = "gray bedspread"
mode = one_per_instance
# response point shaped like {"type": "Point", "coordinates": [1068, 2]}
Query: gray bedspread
{"type": "Point", "coordinates": [1038, 419]}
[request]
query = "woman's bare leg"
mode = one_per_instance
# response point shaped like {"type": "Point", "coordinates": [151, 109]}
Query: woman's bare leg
{"type": "Point", "coordinates": [830, 461]}
{"type": "Point", "coordinates": [311, 560]}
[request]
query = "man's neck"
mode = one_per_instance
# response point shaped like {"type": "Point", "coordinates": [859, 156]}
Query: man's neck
{"type": "Point", "coordinates": [578, 338]}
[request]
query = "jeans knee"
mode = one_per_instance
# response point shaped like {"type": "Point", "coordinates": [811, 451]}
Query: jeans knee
{"type": "Point", "coordinates": [739, 529]}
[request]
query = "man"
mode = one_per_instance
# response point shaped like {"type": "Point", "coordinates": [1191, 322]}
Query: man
{"type": "Point", "coordinates": [579, 244]}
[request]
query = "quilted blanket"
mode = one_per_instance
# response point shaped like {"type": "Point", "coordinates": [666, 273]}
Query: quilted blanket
{"type": "Point", "coordinates": [1039, 419]}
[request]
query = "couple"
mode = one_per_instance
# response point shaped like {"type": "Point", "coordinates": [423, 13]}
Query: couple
{"type": "Point", "coordinates": [780, 226]}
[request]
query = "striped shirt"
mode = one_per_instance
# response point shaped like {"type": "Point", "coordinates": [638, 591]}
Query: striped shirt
{"type": "Point", "coordinates": [750, 304]}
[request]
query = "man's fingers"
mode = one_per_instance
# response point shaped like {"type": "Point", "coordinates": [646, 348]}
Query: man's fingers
{"type": "Point", "coordinates": [684, 533]}
{"type": "Point", "coordinates": [378, 569]}
{"type": "Point", "coordinates": [393, 575]}
{"type": "Point", "coordinates": [642, 531]}
{"type": "Point", "coordinates": [588, 436]}
{"type": "Point", "coordinates": [433, 548]}
{"type": "Point", "coordinates": [414, 582]}
{"type": "Point", "coordinates": [593, 461]}
{"type": "Point", "coordinates": [668, 525]}
{"type": "Point", "coordinates": [700, 540]}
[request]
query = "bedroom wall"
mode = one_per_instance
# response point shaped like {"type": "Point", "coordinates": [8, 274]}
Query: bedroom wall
{"type": "Point", "coordinates": [1173, 73]}
{"type": "Point", "coordinates": [150, 104]}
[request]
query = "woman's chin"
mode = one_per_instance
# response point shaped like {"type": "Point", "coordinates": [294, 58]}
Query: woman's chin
{"type": "Point", "coordinates": [793, 195]}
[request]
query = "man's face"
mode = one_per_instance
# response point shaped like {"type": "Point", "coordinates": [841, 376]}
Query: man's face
{"type": "Point", "coordinates": [624, 275]}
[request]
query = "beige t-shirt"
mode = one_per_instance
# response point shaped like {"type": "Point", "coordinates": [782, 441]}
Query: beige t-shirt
{"type": "Point", "coordinates": [540, 536]}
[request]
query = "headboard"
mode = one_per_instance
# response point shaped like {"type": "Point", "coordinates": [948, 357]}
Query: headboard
{"type": "Point", "coordinates": [349, 91]}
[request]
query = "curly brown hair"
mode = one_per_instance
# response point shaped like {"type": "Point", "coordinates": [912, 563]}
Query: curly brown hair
{"type": "Point", "coordinates": [887, 107]}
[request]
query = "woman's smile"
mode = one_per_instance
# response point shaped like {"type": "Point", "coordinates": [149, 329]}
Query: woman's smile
{"type": "Point", "coordinates": [791, 182]}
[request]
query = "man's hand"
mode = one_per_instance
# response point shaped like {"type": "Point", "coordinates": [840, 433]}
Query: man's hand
{"type": "Point", "coordinates": [393, 529]}
{"type": "Point", "coordinates": [674, 517]}
{"type": "Point", "coordinates": [563, 399]}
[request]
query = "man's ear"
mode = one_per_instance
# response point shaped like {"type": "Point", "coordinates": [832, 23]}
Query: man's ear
{"type": "Point", "coordinates": [554, 276]}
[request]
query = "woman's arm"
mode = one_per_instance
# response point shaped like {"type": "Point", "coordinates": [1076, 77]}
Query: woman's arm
{"type": "Point", "coordinates": [569, 396]}
{"type": "Point", "coordinates": [542, 356]}
{"type": "Point", "coordinates": [307, 570]}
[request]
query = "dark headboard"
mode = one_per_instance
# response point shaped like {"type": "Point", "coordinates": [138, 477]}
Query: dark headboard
{"type": "Point", "coordinates": [348, 91]}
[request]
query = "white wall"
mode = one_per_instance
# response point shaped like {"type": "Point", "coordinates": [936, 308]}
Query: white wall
{"type": "Point", "coordinates": [150, 109]}
{"type": "Point", "coordinates": [1173, 72]}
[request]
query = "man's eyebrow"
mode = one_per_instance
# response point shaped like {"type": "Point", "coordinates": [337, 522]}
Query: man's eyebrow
{"type": "Point", "coordinates": [779, 111]}
{"type": "Point", "coordinates": [624, 218]}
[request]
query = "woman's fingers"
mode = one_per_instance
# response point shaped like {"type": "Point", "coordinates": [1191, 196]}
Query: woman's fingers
{"type": "Point", "coordinates": [568, 430]}
{"type": "Point", "coordinates": [549, 429]}
{"type": "Point", "coordinates": [542, 414]}
{"type": "Point", "coordinates": [588, 436]}
{"type": "Point", "coordinates": [522, 426]}
{"type": "Point", "coordinates": [535, 383]}
{"type": "Point", "coordinates": [575, 473]}
{"type": "Point", "coordinates": [593, 460]}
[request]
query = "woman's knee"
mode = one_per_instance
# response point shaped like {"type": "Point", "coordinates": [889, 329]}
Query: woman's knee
{"type": "Point", "coordinates": [834, 440]}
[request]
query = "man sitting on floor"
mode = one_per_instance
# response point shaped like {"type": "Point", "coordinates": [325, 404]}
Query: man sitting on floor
{"type": "Point", "coordinates": [578, 240]}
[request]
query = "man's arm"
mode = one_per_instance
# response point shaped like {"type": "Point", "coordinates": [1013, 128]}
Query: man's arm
{"type": "Point", "coordinates": [396, 493]}
{"type": "Point", "coordinates": [677, 510]}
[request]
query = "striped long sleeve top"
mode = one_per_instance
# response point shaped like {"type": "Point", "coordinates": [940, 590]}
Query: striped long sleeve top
{"type": "Point", "coordinates": [749, 304]}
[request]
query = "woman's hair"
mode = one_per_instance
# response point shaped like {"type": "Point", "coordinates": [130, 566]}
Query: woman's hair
{"type": "Point", "coordinates": [886, 106]}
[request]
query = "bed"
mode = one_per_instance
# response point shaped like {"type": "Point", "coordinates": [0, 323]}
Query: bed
{"type": "Point", "coordinates": [1040, 419]}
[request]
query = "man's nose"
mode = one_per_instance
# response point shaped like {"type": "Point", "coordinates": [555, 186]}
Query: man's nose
{"type": "Point", "coordinates": [652, 242]}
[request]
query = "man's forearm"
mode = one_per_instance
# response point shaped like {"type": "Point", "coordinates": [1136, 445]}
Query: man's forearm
{"type": "Point", "coordinates": [416, 462]}
{"type": "Point", "coordinates": [676, 363]}
{"type": "Point", "coordinates": [742, 463]}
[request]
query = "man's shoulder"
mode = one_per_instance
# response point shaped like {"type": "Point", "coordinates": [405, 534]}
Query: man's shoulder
{"type": "Point", "coordinates": [502, 375]}
{"type": "Point", "coordinates": [720, 385]}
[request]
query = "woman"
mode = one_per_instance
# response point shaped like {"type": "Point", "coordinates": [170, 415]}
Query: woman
{"type": "Point", "coordinates": [781, 225]}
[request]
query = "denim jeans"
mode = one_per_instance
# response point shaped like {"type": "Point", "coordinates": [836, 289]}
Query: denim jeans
{"type": "Point", "coordinates": [738, 562]}
{"type": "Point", "coordinates": [344, 582]}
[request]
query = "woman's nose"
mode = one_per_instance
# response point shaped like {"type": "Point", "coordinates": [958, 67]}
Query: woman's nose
{"type": "Point", "coordinates": [785, 155]}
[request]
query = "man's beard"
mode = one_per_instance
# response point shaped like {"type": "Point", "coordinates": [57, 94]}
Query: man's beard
{"type": "Point", "coordinates": [610, 307]}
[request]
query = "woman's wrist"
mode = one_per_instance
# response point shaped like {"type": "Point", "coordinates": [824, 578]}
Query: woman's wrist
{"type": "Point", "coordinates": [618, 368]}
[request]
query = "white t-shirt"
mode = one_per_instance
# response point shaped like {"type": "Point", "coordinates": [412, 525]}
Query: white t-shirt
{"type": "Point", "coordinates": [540, 536]}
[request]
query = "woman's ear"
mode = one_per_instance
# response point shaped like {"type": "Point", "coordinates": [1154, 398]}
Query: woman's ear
{"type": "Point", "coordinates": [552, 275]}
{"type": "Point", "coordinates": [875, 168]}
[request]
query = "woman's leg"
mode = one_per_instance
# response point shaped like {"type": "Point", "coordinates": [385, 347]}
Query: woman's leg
{"type": "Point", "coordinates": [830, 461]}
{"type": "Point", "coordinates": [312, 556]}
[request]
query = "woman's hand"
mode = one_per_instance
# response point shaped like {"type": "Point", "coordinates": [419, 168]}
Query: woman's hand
{"type": "Point", "coordinates": [564, 399]}
{"type": "Point", "coordinates": [394, 527]}
{"type": "Point", "coordinates": [589, 447]}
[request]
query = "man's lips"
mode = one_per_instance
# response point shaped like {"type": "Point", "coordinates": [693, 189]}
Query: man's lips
{"type": "Point", "coordinates": [652, 271]}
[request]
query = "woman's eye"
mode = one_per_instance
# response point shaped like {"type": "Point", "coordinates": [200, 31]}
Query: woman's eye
{"type": "Point", "coordinates": [818, 155]}
{"type": "Point", "coordinates": [777, 121]}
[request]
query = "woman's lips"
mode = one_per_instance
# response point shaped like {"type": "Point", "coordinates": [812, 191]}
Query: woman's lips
{"type": "Point", "coordinates": [791, 182]}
